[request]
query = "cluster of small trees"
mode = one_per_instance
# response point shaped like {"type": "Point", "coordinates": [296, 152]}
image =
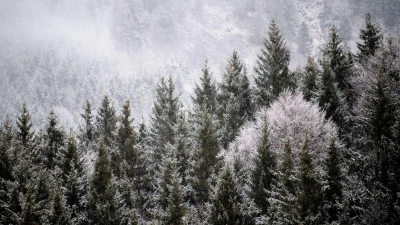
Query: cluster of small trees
{"type": "Point", "coordinates": [320, 145]}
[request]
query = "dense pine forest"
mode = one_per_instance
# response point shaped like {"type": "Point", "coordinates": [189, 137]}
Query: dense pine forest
{"type": "Point", "coordinates": [315, 145]}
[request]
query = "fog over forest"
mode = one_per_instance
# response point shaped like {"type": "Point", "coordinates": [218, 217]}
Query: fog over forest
{"type": "Point", "coordinates": [56, 54]}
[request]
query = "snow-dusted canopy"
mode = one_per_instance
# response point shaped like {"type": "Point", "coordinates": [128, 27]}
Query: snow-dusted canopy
{"type": "Point", "coordinates": [290, 118]}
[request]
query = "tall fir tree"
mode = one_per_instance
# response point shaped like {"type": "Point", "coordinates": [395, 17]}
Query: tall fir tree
{"type": "Point", "coordinates": [102, 206]}
{"type": "Point", "coordinates": [225, 203]}
{"type": "Point", "coordinates": [263, 174]}
{"type": "Point", "coordinates": [54, 140]}
{"type": "Point", "coordinates": [106, 121]}
{"type": "Point", "coordinates": [334, 191]}
{"type": "Point", "coordinates": [337, 59]}
{"type": "Point", "coordinates": [205, 158]}
{"type": "Point", "coordinates": [87, 130]}
{"type": "Point", "coordinates": [273, 75]}
{"type": "Point", "coordinates": [164, 117]}
{"type": "Point", "coordinates": [310, 80]}
{"type": "Point", "coordinates": [310, 195]}
{"type": "Point", "coordinates": [206, 92]}
{"type": "Point", "coordinates": [234, 98]}
{"type": "Point", "coordinates": [24, 124]}
{"type": "Point", "coordinates": [329, 98]}
{"type": "Point", "coordinates": [371, 38]}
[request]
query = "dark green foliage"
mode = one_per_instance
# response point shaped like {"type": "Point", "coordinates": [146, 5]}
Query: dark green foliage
{"type": "Point", "coordinates": [87, 130]}
{"type": "Point", "coordinates": [310, 196]}
{"type": "Point", "coordinates": [371, 39]}
{"type": "Point", "coordinates": [102, 207]}
{"type": "Point", "coordinates": [24, 124]}
{"type": "Point", "coordinates": [225, 204]}
{"type": "Point", "coordinates": [206, 93]}
{"type": "Point", "coordinates": [337, 59]}
{"type": "Point", "coordinates": [264, 171]}
{"type": "Point", "coordinates": [329, 97]}
{"type": "Point", "coordinates": [106, 121]}
{"type": "Point", "coordinates": [205, 156]}
{"type": "Point", "coordinates": [54, 139]}
{"type": "Point", "coordinates": [272, 69]}
{"type": "Point", "coordinates": [334, 191]}
{"type": "Point", "coordinates": [234, 98]}
{"type": "Point", "coordinates": [309, 85]}
{"type": "Point", "coordinates": [183, 146]}
{"type": "Point", "coordinates": [164, 117]}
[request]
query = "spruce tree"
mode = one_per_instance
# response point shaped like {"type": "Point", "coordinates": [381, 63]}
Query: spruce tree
{"type": "Point", "coordinates": [310, 196]}
{"type": "Point", "coordinates": [87, 130]}
{"type": "Point", "coordinates": [225, 204]}
{"type": "Point", "coordinates": [164, 117]}
{"type": "Point", "coordinates": [329, 97]}
{"type": "Point", "coordinates": [59, 213]}
{"type": "Point", "coordinates": [272, 68]}
{"type": "Point", "coordinates": [54, 138]}
{"type": "Point", "coordinates": [334, 191]}
{"type": "Point", "coordinates": [371, 39]}
{"type": "Point", "coordinates": [309, 84]}
{"type": "Point", "coordinates": [205, 159]}
{"type": "Point", "coordinates": [183, 145]}
{"type": "Point", "coordinates": [337, 59]}
{"type": "Point", "coordinates": [102, 207]}
{"type": "Point", "coordinates": [106, 121]}
{"type": "Point", "coordinates": [206, 92]}
{"type": "Point", "coordinates": [24, 124]}
{"type": "Point", "coordinates": [234, 98]}
{"type": "Point", "coordinates": [264, 169]}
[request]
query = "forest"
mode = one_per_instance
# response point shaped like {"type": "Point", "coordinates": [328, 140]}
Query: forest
{"type": "Point", "coordinates": [315, 145]}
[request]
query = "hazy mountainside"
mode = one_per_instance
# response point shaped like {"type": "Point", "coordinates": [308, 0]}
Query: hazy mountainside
{"type": "Point", "coordinates": [56, 54]}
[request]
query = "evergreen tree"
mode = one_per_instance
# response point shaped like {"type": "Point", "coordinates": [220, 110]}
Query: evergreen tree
{"type": "Point", "coordinates": [337, 59]}
{"type": "Point", "coordinates": [310, 196]}
{"type": "Point", "coordinates": [235, 99]}
{"type": "Point", "coordinates": [54, 139]}
{"type": "Point", "coordinates": [309, 84]}
{"type": "Point", "coordinates": [164, 117]}
{"type": "Point", "coordinates": [334, 191]}
{"type": "Point", "coordinates": [59, 213]}
{"type": "Point", "coordinates": [206, 92]}
{"type": "Point", "coordinates": [304, 40]}
{"type": "Point", "coordinates": [371, 39]}
{"type": "Point", "coordinates": [87, 130]}
{"type": "Point", "coordinates": [225, 204]}
{"type": "Point", "coordinates": [329, 97]}
{"type": "Point", "coordinates": [272, 68]}
{"type": "Point", "coordinates": [283, 200]}
{"type": "Point", "coordinates": [183, 146]}
{"type": "Point", "coordinates": [206, 160]}
{"type": "Point", "coordinates": [126, 138]}
{"type": "Point", "coordinates": [264, 169]}
{"type": "Point", "coordinates": [106, 121]}
{"type": "Point", "coordinates": [102, 207]}
{"type": "Point", "coordinates": [24, 124]}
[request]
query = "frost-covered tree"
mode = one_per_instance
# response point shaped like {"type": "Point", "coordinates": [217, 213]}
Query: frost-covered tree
{"type": "Point", "coordinates": [264, 169]}
{"type": "Point", "coordinates": [102, 206]}
{"type": "Point", "coordinates": [304, 40]}
{"type": "Point", "coordinates": [87, 129]}
{"type": "Point", "coordinates": [310, 80]}
{"type": "Point", "coordinates": [53, 141]}
{"type": "Point", "coordinates": [272, 68]}
{"type": "Point", "coordinates": [234, 98]}
{"type": "Point", "coordinates": [164, 117]}
{"type": "Point", "coordinates": [106, 121]}
{"type": "Point", "coordinates": [206, 92]}
{"type": "Point", "coordinates": [371, 38]}
{"type": "Point", "coordinates": [24, 124]}
{"type": "Point", "coordinates": [225, 202]}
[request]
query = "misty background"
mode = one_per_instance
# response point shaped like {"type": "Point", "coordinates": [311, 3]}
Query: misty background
{"type": "Point", "coordinates": [55, 54]}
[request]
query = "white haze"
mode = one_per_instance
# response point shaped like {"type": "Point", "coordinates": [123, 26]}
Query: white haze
{"type": "Point", "coordinates": [55, 54]}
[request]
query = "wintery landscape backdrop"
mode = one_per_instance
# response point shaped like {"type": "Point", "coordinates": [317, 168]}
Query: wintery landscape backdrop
{"type": "Point", "coordinates": [200, 112]}
{"type": "Point", "coordinates": [56, 54]}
